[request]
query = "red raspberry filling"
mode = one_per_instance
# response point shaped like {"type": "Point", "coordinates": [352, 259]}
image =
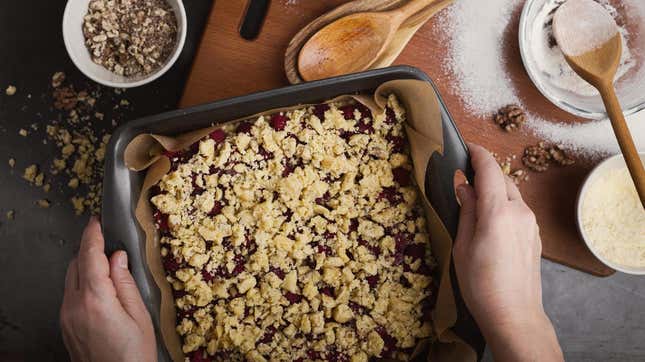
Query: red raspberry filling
{"type": "Point", "coordinates": [293, 298]}
{"type": "Point", "coordinates": [348, 111]}
{"type": "Point", "coordinates": [390, 116]}
{"type": "Point", "coordinates": [244, 127]}
{"type": "Point", "coordinates": [320, 109]}
{"type": "Point", "coordinates": [161, 221]}
{"type": "Point", "coordinates": [397, 142]}
{"type": "Point", "coordinates": [216, 210]}
{"type": "Point", "coordinates": [390, 342]}
{"type": "Point", "coordinates": [268, 335]}
{"type": "Point", "coordinates": [278, 121]}
{"type": "Point", "coordinates": [392, 195]}
{"type": "Point", "coordinates": [217, 135]}
{"type": "Point", "coordinates": [402, 176]}
{"type": "Point", "coordinates": [277, 271]}
{"type": "Point", "coordinates": [372, 280]}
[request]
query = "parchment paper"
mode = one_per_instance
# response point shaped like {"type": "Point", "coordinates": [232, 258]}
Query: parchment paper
{"type": "Point", "coordinates": [425, 135]}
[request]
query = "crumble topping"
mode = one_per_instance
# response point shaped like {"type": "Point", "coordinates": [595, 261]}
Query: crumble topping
{"type": "Point", "coordinates": [298, 237]}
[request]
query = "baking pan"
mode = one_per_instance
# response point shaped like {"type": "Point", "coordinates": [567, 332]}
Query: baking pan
{"type": "Point", "coordinates": [121, 186]}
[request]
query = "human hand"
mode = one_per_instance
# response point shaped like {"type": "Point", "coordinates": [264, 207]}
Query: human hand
{"type": "Point", "coordinates": [103, 317]}
{"type": "Point", "coordinates": [497, 260]}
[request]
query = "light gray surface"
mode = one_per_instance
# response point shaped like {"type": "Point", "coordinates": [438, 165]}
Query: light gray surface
{"type": "Point", "coordinates": [596, 319]}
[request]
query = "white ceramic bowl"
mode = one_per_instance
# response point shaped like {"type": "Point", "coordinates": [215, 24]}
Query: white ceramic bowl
{"type": "Point", "coordinates": [615, 162]}
{"type": "Point", "coordinates": [75, 44]}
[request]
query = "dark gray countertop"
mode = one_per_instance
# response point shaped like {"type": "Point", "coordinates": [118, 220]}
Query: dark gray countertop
{"type": "Point", "coordinates": [596, 319]}
{"type": "Point", "coordinates": [36, 247]}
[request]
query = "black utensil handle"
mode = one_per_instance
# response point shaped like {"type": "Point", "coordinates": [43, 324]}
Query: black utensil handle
{"type": "Point", "coordinates": [256, 11]}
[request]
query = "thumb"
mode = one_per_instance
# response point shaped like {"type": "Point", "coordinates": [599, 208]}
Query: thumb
{"type": "Point", "coordinates": [467, 216]}
{"type": "Point", "coordinates": [126, 289]}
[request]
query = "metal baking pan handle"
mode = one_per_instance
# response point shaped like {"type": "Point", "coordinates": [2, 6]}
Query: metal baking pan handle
{"type": "Point", "coordinates": [440, 174]}
{"type": "Point", "coordinates": [440, 177]}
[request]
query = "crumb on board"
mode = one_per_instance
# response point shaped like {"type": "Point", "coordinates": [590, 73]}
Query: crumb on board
{"type": "Point", "coordinates": [79, 142]}
{"type": "Point", "coordinates": [11, 90]}
{"type": "Point", "coordinates": [30, 173]}
{"type": "Point", "coordinates": [43, 203]}
{"type": "Point", "coordinates": [11, 215]}
{"type": "Point", "coordinates": [57, 79]}
{"type": "Point", "coordinates": [517, 175]}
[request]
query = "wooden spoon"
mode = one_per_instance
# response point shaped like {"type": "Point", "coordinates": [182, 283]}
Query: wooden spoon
{"type": "Point", "coordinates": [352, 43]}
{"type": "Point", "coordinates": [592, 45]}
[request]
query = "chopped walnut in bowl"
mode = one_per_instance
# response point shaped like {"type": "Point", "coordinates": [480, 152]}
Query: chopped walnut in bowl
{"type": "Point", "coordinates": [124, 43]}
{"type": "Point", "coordinates": [298, 236]}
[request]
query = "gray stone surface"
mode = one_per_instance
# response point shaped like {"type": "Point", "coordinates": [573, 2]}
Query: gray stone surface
{"type": "Point", "coordinates": [596, 319]}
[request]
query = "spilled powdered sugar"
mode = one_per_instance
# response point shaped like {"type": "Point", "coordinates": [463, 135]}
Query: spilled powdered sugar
{"type": "Point", "coordinates": [594, 138]}
{"type": "Point", "coordinates": [476, 31]}
{"type": "Point", "coordinates": [477, 62]}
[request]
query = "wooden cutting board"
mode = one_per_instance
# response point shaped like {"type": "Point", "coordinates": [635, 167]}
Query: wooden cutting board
{"type": "Point", "coordinates": [227, 65]}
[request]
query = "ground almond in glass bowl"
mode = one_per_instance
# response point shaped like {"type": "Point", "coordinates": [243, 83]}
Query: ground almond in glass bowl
{"type": "Point", "coordinates": [298, 236]}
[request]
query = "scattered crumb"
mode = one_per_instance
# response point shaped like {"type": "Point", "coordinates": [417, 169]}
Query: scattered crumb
{"type": "Point", "coordinates": [39, 179]}
{"type": "Point", "coordinates": [11, 90]}
{"type": "Point", "coordinates": [30, 173]}
{"type": "Point", "coordinates": [23, 132]}
{"type": "Point", "coordinates": [43, 203]}
{"type": "Point", "coordinates": [57, 79]}
{"type": "Point", "coordinates": [518, 175]}
{"type": "Point", "coordinates": [11, 215]}
{"type": "Point", "coordinates": [79, 204]}
{"type": "Point", "coordinates": [79, 140]}
{"type": "Point", "coordinates": [73, 183]}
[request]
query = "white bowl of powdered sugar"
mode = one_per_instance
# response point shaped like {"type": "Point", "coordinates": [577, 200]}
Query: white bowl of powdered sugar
{"type": "Point", "coordinates": [556, 80]}
{"type": "Point", "coordinates": [611, 218]}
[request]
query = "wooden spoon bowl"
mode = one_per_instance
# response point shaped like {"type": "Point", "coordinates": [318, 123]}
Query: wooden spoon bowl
{"type": "Point", "coordinates": [358, 41]}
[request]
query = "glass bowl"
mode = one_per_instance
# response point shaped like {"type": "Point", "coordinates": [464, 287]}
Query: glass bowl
{"type": "Point", "coordinates": [543, 60]}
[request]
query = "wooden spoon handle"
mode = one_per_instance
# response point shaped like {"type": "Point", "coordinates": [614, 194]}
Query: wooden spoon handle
{"type": "Point", "coordinates": [409, 9]}
{"type": "Point", "coordinates": [627, 146]}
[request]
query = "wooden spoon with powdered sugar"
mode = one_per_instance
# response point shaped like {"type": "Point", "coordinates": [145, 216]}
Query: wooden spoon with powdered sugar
{"type": "Point", "coordinates": [591, 43]}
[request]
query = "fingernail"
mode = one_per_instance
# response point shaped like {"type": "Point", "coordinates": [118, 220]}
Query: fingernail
{"type": "Point", "coordinates": [122, 260]}
{"type": "Point", "coordinates": [460, 193]}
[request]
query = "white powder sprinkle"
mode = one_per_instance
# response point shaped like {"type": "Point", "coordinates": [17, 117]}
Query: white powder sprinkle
{"type": "Point", "coordinates": [476, 31]}
{"type": "Point", "coordinates": [594, 138]}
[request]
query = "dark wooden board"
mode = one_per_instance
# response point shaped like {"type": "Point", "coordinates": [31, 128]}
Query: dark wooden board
{"type": "Point", "coordinates": [227, 65]}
